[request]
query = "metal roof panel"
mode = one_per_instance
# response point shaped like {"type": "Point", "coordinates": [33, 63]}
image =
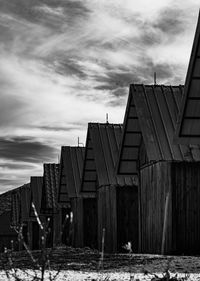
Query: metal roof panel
{"type": "Point", "coordinates": [71, 171]}
{"type": "Point", "coordinates": [188, 126]}
{"type": "Point", "coordinates": [105, 141]}
{"type": "Point", "coordinates": [157, 109]}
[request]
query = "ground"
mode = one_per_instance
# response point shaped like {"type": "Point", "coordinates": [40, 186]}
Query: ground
{"type": "Point", "coordinates": [82, 264]}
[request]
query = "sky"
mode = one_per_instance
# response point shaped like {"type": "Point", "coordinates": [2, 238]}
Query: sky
{"type": "Point", "coordinates": [64, 63]}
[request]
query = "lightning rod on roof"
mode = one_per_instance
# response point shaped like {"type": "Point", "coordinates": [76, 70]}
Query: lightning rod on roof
{"type": "Point", "coordinates": [107, 118]}
{"type": "Point", "coordinates": [80, 142]}
{"type": "Point", "coordinates": [155, 78]}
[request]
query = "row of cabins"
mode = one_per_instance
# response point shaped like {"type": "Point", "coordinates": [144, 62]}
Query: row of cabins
{"type": "Point", "coordinates": [138, 182]}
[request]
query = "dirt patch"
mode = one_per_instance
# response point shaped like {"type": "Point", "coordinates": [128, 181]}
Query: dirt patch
{"type": "Point", "coordinates": [87, 260]}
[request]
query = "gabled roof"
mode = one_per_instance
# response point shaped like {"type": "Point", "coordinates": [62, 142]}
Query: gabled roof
{"type": "Point", "coordinates": [36, 194]}
{"type": "Point", "coordinates": [188, 127]}
{"type": "Point", "coordinates": [157, 108]}
{"type": "Point", "coordinates": [71, 167]}
{"type": "Point", "coordinates": [105, 142]}
{"type": "Point", "coordinates": [50, 187]}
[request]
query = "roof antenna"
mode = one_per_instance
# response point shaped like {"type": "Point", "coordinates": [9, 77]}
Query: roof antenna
{"type": "Point", "coordinates": [80, 142]}
{"type": "Point", "coordinates": [155, 79]}
{"type": "Point", "coordinates": [107, 118]}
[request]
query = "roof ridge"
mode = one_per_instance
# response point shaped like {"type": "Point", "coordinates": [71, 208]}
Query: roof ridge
{"type": "Point", "coordinates": [156, 85]}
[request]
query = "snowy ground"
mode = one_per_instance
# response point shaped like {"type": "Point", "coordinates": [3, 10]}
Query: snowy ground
{"type": "Point", "coordinates": [71, 275]}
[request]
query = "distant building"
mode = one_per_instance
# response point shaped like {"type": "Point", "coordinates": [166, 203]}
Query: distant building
{"type": "Point", "coordinates": [116, 196]}
{"type": "Point", "coordinates": [69, 197]}
{"type": "Point", "coordinates": [8, 236]}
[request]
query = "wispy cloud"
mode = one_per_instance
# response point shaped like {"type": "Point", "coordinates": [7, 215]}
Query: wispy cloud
{"type": "Point", "coordinates": [66, 63]}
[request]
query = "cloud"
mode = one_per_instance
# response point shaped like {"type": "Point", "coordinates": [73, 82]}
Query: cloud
{"type": "Point", "coordinates": [26, 150]}
{"type": "Point", "coordinates": [66, 63]}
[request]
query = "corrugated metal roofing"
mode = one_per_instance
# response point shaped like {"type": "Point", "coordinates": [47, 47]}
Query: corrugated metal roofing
{"type": "Point", "coordinates": [36, 194]}
{"type": "Point", "coordinates": [188, 128]}
{"type": "Point", "coordinates": [50, 187]}
{"type": "Point", "coordinates": [70, 172]}
{"type": "Point", "coordinates": [157, 108]}
{"type": "Point", "coordinates": [106, 139]}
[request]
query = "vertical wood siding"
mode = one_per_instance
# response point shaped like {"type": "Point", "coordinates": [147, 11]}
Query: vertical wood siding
{"type": "Point", "coordinates": [90, 222]}
{"type": "Point", "coordinates": [118, 214]}
{"type": "Point", "coordinates": [155, 184]}
{"type": "Point", "coordinates": [107, 217]}
{"type": "Point", "coordinates": [186, 207]}
{"type": "Point", "coordinates": [127, 217]}
{"type": "Point", "coordinates": [77, 225]}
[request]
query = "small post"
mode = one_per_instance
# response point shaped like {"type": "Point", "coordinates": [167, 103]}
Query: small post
{"type": "Point", "coordinates": [107, 118]}
{"type": "Point", "coordinates": [165, 224]}
{"type": "Point", "coordinates": [80, 143]}
{"type": "Point", "coordinates": [155, 78]}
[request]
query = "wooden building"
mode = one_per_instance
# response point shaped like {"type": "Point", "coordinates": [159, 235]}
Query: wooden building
{"type": "Point", "coordinates": [113, 199]}
{"type": "Point", "coordinates": [69, 197]}
{"type": "Point", "coordinates": [8, 237]}
{"type": "Point", "coordinates": [49, 207]}
{"type": "Point", "coordinates": [20, 211]}
{"type": "Point", "coordinates": [36, 185]}
{"type": "Point", "coordinates": [169, 173]}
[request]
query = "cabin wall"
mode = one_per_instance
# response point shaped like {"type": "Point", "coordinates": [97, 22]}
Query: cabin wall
{"type": "Point", "coordinates": [57, 228]}
{"type": "Point", "coordinates": [76, 229]}
{"type": "Point", "coordinates": [118, 214]}
{"type": "Point", "coordinates": [127, 217]}
{"type": "Point", "coordinates": [155, 184]}
{"type": "Point", "coordinates": [186, 207]}
{"type": "Point", "coordinates": [107, 217]}
{"type": "Point", "coordinates": [90, 222]}
{"type": "Point", "coordinates": [7, 234]}
{"type": "Point", "coordinates": [64, 222]}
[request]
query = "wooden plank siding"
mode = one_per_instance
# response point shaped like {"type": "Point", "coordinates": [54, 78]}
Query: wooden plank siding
{"type": "Point", "coordinates": [76, 231]}
{"type": "Point", "coordinates": [118, 214]}
{"type": "Point", "coordinates": [182, 181]}
{"type": "Point", "coordinates": [90, 222]}
{"type": "Point", "coordinates": [186, 207]}
{"type": "Point", "coordinates": [127, 217]}
{"type": "Point", "coordinates": [107, 217]}
{"type": "Point", "coordinates": [155, 184]}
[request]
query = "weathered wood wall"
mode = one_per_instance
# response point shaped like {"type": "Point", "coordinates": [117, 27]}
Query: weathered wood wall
{"type": "Point", "coordinates": [90, 222]}
{"type": "Point", "coordinates": [182, 181]}
{"type": "Point", "coordinates": [7, 233]}
{"type": "Point", "coordinates": [118, 214]}
{"type": "Point", "coordinates": [76, 231]}
{"type": "Point", "coordinates": [107, 218]}
{"type": "Point", "coordinates": [186, 207]}
{"type": "Point", "coordinates": [155, 182]}
{"type": "Point", "coordinates": [127, 217]}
